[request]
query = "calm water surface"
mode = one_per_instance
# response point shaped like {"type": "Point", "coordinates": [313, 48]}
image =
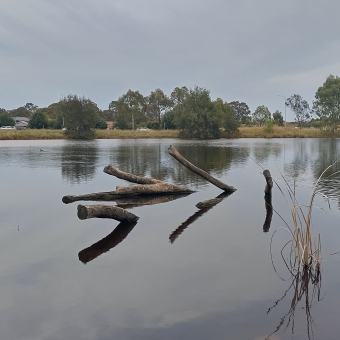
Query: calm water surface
{"type": "Point", "coordinates": [178, 273]}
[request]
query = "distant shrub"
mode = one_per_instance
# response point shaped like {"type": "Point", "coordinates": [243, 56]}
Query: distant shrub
{"type": "Point", "coordinates": [269, 127]}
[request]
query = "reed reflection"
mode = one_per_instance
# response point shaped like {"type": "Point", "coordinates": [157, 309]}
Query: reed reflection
{"type": "Point", "coordinates": [107, 243]}
{"type": "Point", "coordinates": [78, 161]}
{"type": "Point", "coordinates": [306, 288]}
{"type": "Point", "coordinates": [204, 208]}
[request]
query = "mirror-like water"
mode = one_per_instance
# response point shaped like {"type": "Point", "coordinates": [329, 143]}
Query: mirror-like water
{"type": "Point", "coordinates": [179, 273]}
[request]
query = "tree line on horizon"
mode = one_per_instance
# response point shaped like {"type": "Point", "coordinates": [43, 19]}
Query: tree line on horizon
{"type": "Point", "coordinates": [190, 110]}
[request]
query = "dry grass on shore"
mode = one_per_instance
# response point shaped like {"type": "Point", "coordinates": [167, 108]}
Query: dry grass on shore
{"type": "Point", "coordinates": [284, 132]}
{"type": "Point", "coordinates": [244, 132]}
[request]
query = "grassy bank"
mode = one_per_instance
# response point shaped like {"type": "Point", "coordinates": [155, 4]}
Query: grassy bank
{"type": "Point", "coordinates": [244, 132]}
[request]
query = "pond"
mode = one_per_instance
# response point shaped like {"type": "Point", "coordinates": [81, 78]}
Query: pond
{"type": "Point", "coordinates": [179, 273]}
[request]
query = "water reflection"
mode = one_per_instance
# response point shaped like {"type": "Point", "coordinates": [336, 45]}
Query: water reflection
{"type": "Point", "coordinates": [328, 152]}
{"type": "Point", "coordinates": [269, 212]}
{"type": "Point", "coordinates": [174, 235]}
{"type": "Point", "coordinates": [110, 241]}
{"type": "Point", "coordinates": [306, 288]}
{"type": "Point", "coordinates": [79, 161]}
{"type": "Point", "coordinates": [154, 161]}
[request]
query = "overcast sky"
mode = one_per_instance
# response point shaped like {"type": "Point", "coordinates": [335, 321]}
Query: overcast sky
{"type": "Point", "coordinates": [245, 50]}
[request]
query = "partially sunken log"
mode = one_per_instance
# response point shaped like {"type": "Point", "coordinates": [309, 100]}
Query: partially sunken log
{"type": "Point", "coordinates": [107, 243]}
{"type": "Point", "coordinates": [105, 211]}
{"type": "Point", "coordinates": [269, 180]}
{"type": "Point", "coordinates": [174, 153]}
{"type": "Point", "coordinates": [136, 190]}
{"type": "Point", "coordinates": [132, 202]}
{"type": "Point", "coordinates": [212, 202]}
{"type": "Point", "coordinates": [111, 170]}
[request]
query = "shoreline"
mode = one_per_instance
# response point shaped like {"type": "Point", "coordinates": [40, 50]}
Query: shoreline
{"type": "Point", "coordinates": [244, 132]}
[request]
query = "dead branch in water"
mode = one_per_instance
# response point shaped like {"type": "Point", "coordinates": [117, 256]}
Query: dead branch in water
{"type": "Point", "coordinates": [105, 211]}
{"type": "Point", "coordinates": [269, 212]}
{"type": "Point", "coordinates": [127, 191]}
{"type": "Point", "coordinates": [111, 170]}
{"type": "Point", "coordinates": [269, 180]}
{"type": "Point", "coordinates": [174, 153]}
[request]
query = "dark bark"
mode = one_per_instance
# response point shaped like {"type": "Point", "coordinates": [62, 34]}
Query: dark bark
{"type": "Point", "coordinates": [269, 180]}
{"type": "Point", "coordinates": [213, 201]}
{"type": "Point", "coordinates": [174, 153]}
{"type": "Point", "coordinates": [128, 191]}
{"type": "Point", "coordinates": [107, 243]}
{"type": "Point", "coordinates": [111, 170]}
{"type": "Point", "coordinates": [105, 211]}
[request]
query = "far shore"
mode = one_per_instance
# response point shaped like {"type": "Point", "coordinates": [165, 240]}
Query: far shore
{"type": "Point", "coordinates": [244, 132]}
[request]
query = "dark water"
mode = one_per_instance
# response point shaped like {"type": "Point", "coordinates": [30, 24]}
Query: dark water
{"type": "Point", "coordinates": [178, 273]}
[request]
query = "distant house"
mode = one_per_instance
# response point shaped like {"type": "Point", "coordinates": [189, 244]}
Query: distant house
{"type": "Point", "coordinates": [110, 125]}
{"type": "Point", "coordinates": [21, 123]}
{"type": "Point", "coordinates": [21, 119]}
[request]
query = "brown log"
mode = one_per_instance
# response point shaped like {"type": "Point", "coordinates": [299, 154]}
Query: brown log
{"type": "Point", "coordinates": [135, 190]}
{"type": "Point", "coordinates": [213, 201]}
{"type": "Point", "coordinates": [269, 180]}
{"type": "Point", "coordinates": [105, 211]}
{"type": "Point", "coordinates": [174, 153]}
{"type": "Point", "coordinates": [107, 243]}
{"type": "Point", "coordinates": [111, 170]}
{"type": "Point", "coordinates": [269, 212]}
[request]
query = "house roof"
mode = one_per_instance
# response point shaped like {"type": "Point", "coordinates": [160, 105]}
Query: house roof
{"type": "Point", "coordinates": [21, 119]}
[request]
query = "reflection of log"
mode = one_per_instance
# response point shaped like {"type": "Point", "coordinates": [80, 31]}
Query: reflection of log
{"type": "Point", "coordinates": [212, 202]}
{"type": "Point", "coordinates": [105, 211]}
{"type": "Point", "coordinates": [269, 180]}
{"type": "Point", "coordinates": [186, 224]}
{"type": "Point", "coordinates": [132, 202]}
{"type": "Point", "coordinates": [107, 243]}
{"type": "Point", "coordinates": [204, 207]}
{"type": "Point", "coordinates": [269, 212]}
{"type": "Point", "coordinates": [136, 190]}
{"type": "Point", "coordinates": [174, 153]}
{"type": "Point", "coordinates": [111, 170]}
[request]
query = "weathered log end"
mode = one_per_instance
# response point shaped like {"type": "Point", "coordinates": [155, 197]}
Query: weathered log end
{"type": "Point", "coordinates": [68, 199]}
{"type": "Point", "coordinates": [269, 180]}
{"type": "Point", "coordinates": [105, 211]}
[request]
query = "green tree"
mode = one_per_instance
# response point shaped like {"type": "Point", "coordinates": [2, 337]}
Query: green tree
{"type": "Point", "coordinates": [327, 103]}
{"type": "Point", "coordinates": [241, 111]}
{"type": "Point", "coordinates": [129, 110]}
{"type": "Point", "coordinates": [80, 116]}
{"type": "Point", "coordinates": [20, 112]}
{"type": "Point", "coordinates": [261, 115]}
{"type": "Point", "coordinates": [229, 122]}
{"type": "Point", "coordinates": [278, 118]}
{"type": "Point", "coordinates": [300, 107]}
{"type": "Point", "coordinates": [31, 107]}
{"type": "Point", "coordinates": [178, 95]}
{"type": "Point", "coordinates": [38, 121]}
{"type": "Point", "coordinates": [157, 104]}
{"type": "Point", "coordinates": [196, 116]}
{"type": "Point", "coordinates": [101, 124]}
{"type": "Point", "coordinates": [168, 121]}
{"type": "Point", "coordinates": [6, 119]}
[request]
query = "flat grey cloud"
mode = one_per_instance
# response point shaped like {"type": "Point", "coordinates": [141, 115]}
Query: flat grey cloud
{"type": "Point", "coordinates": [240, 50]}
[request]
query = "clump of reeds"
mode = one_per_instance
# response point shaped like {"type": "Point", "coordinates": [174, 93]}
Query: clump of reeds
{"type": "Point", "coordinates": [304, 260]}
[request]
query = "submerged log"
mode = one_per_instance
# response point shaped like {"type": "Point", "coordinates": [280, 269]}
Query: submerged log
{"type": "Point", "coordinates": [136, 190]}
{"type": "Point", "coordinates": [269, 180]}
{"type": "Point", "coordinates": [174, 153]}
{"type": "Point", "coordinates": [132, 202]}
{"type": "Point", "coordinates": [105, 211]}
{"type": "Point", "coordinates": [107, 243]}
{"type": "Point", "coordinates": [111, 170]}
{"type": "Point", "coordinates": [213, 201]}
